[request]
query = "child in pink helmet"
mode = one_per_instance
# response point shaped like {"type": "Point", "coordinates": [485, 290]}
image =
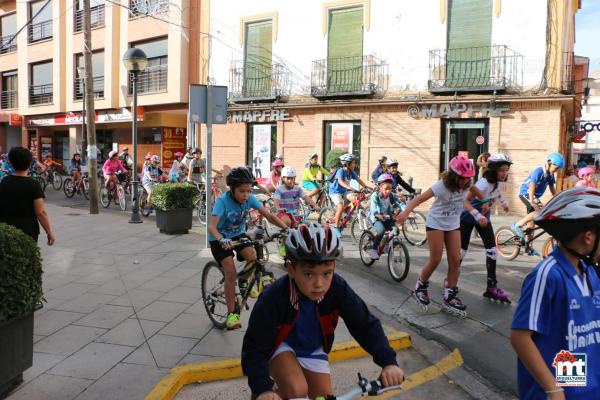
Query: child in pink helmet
{"type": "Point", "coordinates": [586, 177]}
{"type": "Point", "coordinates": [275, 178]}
{"type": "Point", "coordinates": [443, 229]}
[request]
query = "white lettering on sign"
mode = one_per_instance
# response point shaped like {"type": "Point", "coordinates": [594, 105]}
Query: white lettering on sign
{"type": "Point", "coordinates": [449, 110]}
{"type": "Point", "coordinates": [257, 116]}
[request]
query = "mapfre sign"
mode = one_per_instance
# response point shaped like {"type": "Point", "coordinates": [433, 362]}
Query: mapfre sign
{"type": "Point", "coordinates": [258, 116]}
{"type": "Point", "coordinates": [454, 110]}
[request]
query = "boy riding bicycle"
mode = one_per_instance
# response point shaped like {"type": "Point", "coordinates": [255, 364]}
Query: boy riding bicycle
{"type": "Point", "coordinates": [228, 224]}
{"type": "Point", "coordinates": [382, 212]}
{"type": "Point", "coordinates": [287, 198]}
{"type": "Point", "coordinates": [291, 328]}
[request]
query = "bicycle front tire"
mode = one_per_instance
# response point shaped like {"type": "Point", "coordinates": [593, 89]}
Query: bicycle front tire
{"type": "Point", "coordinates": [104, 198]}
{"type": "Point", "coordinates": [365, 244]}
{"type": "Point", "coordinates": [414, 230]}
{"type": "Point", "coordinates": [507, 243]}
{"type": "Point", "coordinates": [57, 181]}
{"type": "Point", "coordinates": [398, 261]}
{"type": "Point", "coordinates": [69, 188]}
{"type": "Point", "coordinates": [213, 294]}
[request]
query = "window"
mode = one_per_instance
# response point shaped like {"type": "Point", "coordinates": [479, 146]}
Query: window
{"type": "Point", "coordinates": [8, 30]}
{"type": "Point", "coordinates": [96, 15]}
{"type": "Point", "coordinates": [345, 50]}
{"type": "Point", "coordinates": [8, 99]}
{"type": "Point", "coordinates": [154, 77]}
{"type": "Point", "coordinates": [262, 147]}
{"type": "Point", "coordinates": [140, 8]}
{"type": "Point", "coordinates": [258, 59]}
{"type": "Point", "coordinates": [40, 78]}
{"type": "Point", "coordinates": [97, 72]}
{"type": "Point", "coordinates": [343, 135]}
{"type": "Point", "coordinates": [41, 25]}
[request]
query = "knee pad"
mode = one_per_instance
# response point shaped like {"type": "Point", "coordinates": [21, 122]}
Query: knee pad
{"type": "Point", "coordinates": [491, 253]}
{"type": "Point", "coordinates": [463, 253]}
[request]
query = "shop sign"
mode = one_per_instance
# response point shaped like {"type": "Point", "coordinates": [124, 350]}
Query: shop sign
{"type": "Point", "coordinates": [258, 116]}
{"type": "Point", "coordinates": [173, 140]}
{"type": "Point", "coordinates": [15, 120]}
{"type": "Point", "coordinates": [122, 115]}
{"type": "Point", "coordinates": [588, 127]}
{"type": "Point", "coordinates": [452, 110]}
{"type": "Point", "coordinates": [341, 136]}
{"type": "Point", "coordinates": [261, 159]}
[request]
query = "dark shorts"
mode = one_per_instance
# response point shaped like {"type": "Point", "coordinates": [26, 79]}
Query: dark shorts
{"type": "Point", "coordinates": [525, 200]}
{"type": "Point", "coordinates": [219, 253]}
{"type": "Point", "coordinates": [427, 229]}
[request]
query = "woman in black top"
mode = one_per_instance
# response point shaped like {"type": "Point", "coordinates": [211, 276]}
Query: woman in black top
{"type": "Point", "coordinates": [22, 198]}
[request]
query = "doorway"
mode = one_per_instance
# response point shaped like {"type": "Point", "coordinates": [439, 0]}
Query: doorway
{"type": "Point", "coordinates": [462, 137]}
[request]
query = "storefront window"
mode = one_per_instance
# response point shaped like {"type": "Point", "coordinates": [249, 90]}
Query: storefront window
{"type": "Point", "coordinates": [460, 138]}
{"type": "Point", "coordinates": [262, 148]}
{"type": "Point", "coordinates": [343, 135]}
{"type": "Point", "coordinates": [149, 135]}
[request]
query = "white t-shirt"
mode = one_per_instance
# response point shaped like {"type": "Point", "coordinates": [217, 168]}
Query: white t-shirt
{"type": "Point", "coordinates": [491, 191]}
{"type": "Point", "coordinates": [444, 214]}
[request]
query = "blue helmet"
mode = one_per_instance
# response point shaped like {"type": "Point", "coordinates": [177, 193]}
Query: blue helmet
{"type": "Point", "coordinates": [581, 164]}
{"type": "Point", "coordinates": [556, 159]}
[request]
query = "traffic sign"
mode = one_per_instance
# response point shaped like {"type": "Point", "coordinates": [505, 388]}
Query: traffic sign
{"type": "Point", "coordinates": [480, 140]}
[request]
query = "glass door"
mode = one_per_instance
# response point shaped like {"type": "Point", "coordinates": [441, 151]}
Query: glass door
{"type": "Point", "coordinates": [462, 138]}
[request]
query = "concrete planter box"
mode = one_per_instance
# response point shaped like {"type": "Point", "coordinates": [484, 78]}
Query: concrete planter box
{"type": "Point", "coordinates": [16, 348]}
{"type": "Point", "coordinates": [174, 222]}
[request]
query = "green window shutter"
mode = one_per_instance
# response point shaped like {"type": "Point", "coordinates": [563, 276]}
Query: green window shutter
{"type": "Point", "coordinates": [345, 50]}
{"type": "Point", "coordinates": [469, 43]}
{"type": "Point", "coordinates": [258, 64]}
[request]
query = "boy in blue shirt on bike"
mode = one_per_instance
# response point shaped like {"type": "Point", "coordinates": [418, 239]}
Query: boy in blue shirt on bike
{"type": "Point", "coordinates": [291, 328]}
{"type": "Point", "coordinates": [558, 315]}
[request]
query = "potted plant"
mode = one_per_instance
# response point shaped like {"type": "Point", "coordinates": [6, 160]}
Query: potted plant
{"type": "Point", "coordinates": [332, 161]}
{"type": "Point", "coordinates": [20, 292]}
{"type": "Point", "coordinates": [174, 204]}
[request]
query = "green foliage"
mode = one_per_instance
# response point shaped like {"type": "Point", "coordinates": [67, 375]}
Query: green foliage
{"type": "Point", "coordinates": [20, 273]}
{"type": "Point", "coordinates": [171, 196]}
{"type": "Point", "coordinates": [333, 158]}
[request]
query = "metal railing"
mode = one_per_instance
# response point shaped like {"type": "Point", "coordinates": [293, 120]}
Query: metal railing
{"type": "Point", "coordinates": [8, 44]}
{"type": "Point", "coordinates": [152, 79]}
{"type": "Point", "coordinates": [40, 94]}
{"type": "Point", "coordinates": [9, 99]}
{"type": "Point", "coordinates": [348, 76]}
{"type": "Point", "coordinates": [39, 31]}
{"type": "Point", "coordinates": [97, 18]}
{"type": "Point", "coordinates": [567, 84]}
{"type": "Point", "coordinates": [475, 69]}
{"type": "Point", "coordinates": [98, 87]}
{"type": "Point", "coordinates": [251, 81]}
{"type": "Point", "coordinates": [139, 8]}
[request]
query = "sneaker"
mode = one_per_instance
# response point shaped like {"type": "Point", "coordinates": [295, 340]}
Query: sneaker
{"type": "Point", "coordinates": [518, 230]}
{"type": "Point", "coordinates": [233, 321]}
{"type": "Point", "coordinates": [374, 254]}
{"type": "Point", "coordinates": [243, 284]}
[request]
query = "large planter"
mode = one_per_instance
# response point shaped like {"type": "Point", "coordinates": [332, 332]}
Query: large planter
{"type": "Point", "coordinates": [16, 348]}
{"type": "Point", "coordinates": [174, 222]}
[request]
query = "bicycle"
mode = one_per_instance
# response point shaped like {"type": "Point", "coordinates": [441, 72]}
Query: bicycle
{"type": "Point", "coordinates": [200, 202]}
{"type": "Point", "coordinates": [115, 193]}
{"type": "Point", "coordinates": [364, 389]}
{"type": "Point", "coordinates": [213, 280]}
{"type": "Point", "coordinates": [41, 180]}
{"type": "Point", "coordinates": [52, 176]}
{"type": "Point", "coordinates": [327, 214]}
{"type": "Point", "coordinates": [509, 243]}
{"type": "Point", "coordinates": [391, 243]}
{"type": "Point", "coordinates": [81, 186]}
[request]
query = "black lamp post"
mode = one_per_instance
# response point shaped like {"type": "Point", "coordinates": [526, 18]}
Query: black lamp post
{"type": "Point", "coordinates": [135, 61]}
{"type": "Point", "coordinates": [81, 73]}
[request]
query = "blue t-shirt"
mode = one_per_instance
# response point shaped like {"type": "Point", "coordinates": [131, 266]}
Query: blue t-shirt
{"type": "Point", "coordinates": [306, 336]}
{"type": "Point", "coordinates": [346, 176]}
{"type": "Point", "coordinates": [564, 314]}
{"type": "Point", "coordinates": [232, 215]}
{"type": "Point", "coordinates": [541, 180]}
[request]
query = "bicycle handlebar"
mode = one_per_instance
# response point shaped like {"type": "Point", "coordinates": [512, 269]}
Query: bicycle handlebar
{"type": "Point", "coordinates": [269, 239]}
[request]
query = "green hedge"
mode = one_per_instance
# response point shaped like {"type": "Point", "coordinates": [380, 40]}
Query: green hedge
{"type": "Point", "coordinates": [171, 196]}
{"type": "Point", "coordinates": [333, 158]}
{"type": "Point", "coordinates": [20, 273]}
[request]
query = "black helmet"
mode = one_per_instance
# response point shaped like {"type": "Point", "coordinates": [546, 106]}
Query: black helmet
{"type": "Point", "coordinates": [196, 150]}
{"type": "Point", "coordinates": [312, 242]}
{"type": "Point", "coordinates": [239, 176]}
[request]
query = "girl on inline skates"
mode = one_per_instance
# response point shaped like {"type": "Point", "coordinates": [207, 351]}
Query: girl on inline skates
{"type": "Point", "coordinates": [490, 184]}
{"type": "Point", "coordinates": [443, 229]}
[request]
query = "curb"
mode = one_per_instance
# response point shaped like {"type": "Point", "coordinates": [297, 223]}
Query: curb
{"type": "Point", "coordinates": [182, 375]}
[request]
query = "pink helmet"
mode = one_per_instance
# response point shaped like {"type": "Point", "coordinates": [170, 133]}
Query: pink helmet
{"type": "Point", "coordinates": [179, 154]}
{"type": "Point", "coordinates": [112, 153]}
{"type": "Point", "coordinates": [384, 178]}
{"type": "Point", "coordinates": [462, 166]}
{"type": "Point", "coordinates": [277, 163]}
{"type": "Point", "coordinates": [585, 171]}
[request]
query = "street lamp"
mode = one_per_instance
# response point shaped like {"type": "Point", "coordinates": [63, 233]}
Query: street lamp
{"type": "Point", "coordinates": [81, 74]}
{"type": "Point", "coordinates": [135, 61]}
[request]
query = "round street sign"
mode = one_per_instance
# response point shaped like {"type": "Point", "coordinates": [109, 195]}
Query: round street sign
{"type": "Point", "coordinates": [480, 140]}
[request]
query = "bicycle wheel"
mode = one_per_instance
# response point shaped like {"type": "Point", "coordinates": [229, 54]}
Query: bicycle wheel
{"type": "Point", "coordinates": [43, 182]}
{"type": "Point", "coordinates": [57, 181]}
{"type": "Point", "coordinates": [365, 244]}
{"type": "Point", "coordinates": [85, 188]}
{"type": "Point", "coordinates": [326, 216]}
{"type": "Point", "coordinates": [104, 197]}
{"type": "Point", "coordinates": [398, 260]}
{"type": "Point", "coordinates": [144, 209]}
{"type": "Point", "coordinates": [122, 198]}
{"type": "Point", "coordinates": [507, 243]}
{"type": "Point", "coordinates": [413, 229]}
{"type": "Point", "coordinates": [213, 294]}
{"type": "Point", "coordinates": [69, 188]}
{"type": "Point", "coordinates": [201, 209]}
{"type": "Point", "coordinates": [549, 246]}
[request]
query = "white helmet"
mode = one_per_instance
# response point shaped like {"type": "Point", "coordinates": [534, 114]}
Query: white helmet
{"type": "Point", "coordinates": [347, 158]}
{"type": "Point", "coordinates": [279, 156]}
{"type": "Point", "coordinates": [391, 161]}
{"type": "Point", "coordinates": [288, 172]}
{"type": "Point", "coordinates": [499, 158]}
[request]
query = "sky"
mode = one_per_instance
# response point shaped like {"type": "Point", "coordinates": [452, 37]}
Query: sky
{"type": "Point", "coordinates": [587, 32]}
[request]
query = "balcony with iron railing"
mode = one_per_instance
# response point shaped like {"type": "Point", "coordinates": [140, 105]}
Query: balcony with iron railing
{"type": "Point", "coordinates": [40, 94]}
{"type": "Point", "coordinates": [96, 17]}
{"type": "Point", "coordinates": [8, 44]}
{"type": "Point", "coordinates": [140, 8]}
{"type": "Point", "coordinates": [39, 31]}
{"type": "Point", "coordinates": [8, 99]}
{"type": "Point", "coordinates": [475, 69]}
{"type": "Point", "coordinates": [567, 84]}
{"type": "Point", "coordinates": [151, 80]}
{"type": "Point", "coordinates": [348, 76]}
{"type": "Point", "coordinates": [97, 84]}
{"type": "Point", "coordinates": [251, 82]}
